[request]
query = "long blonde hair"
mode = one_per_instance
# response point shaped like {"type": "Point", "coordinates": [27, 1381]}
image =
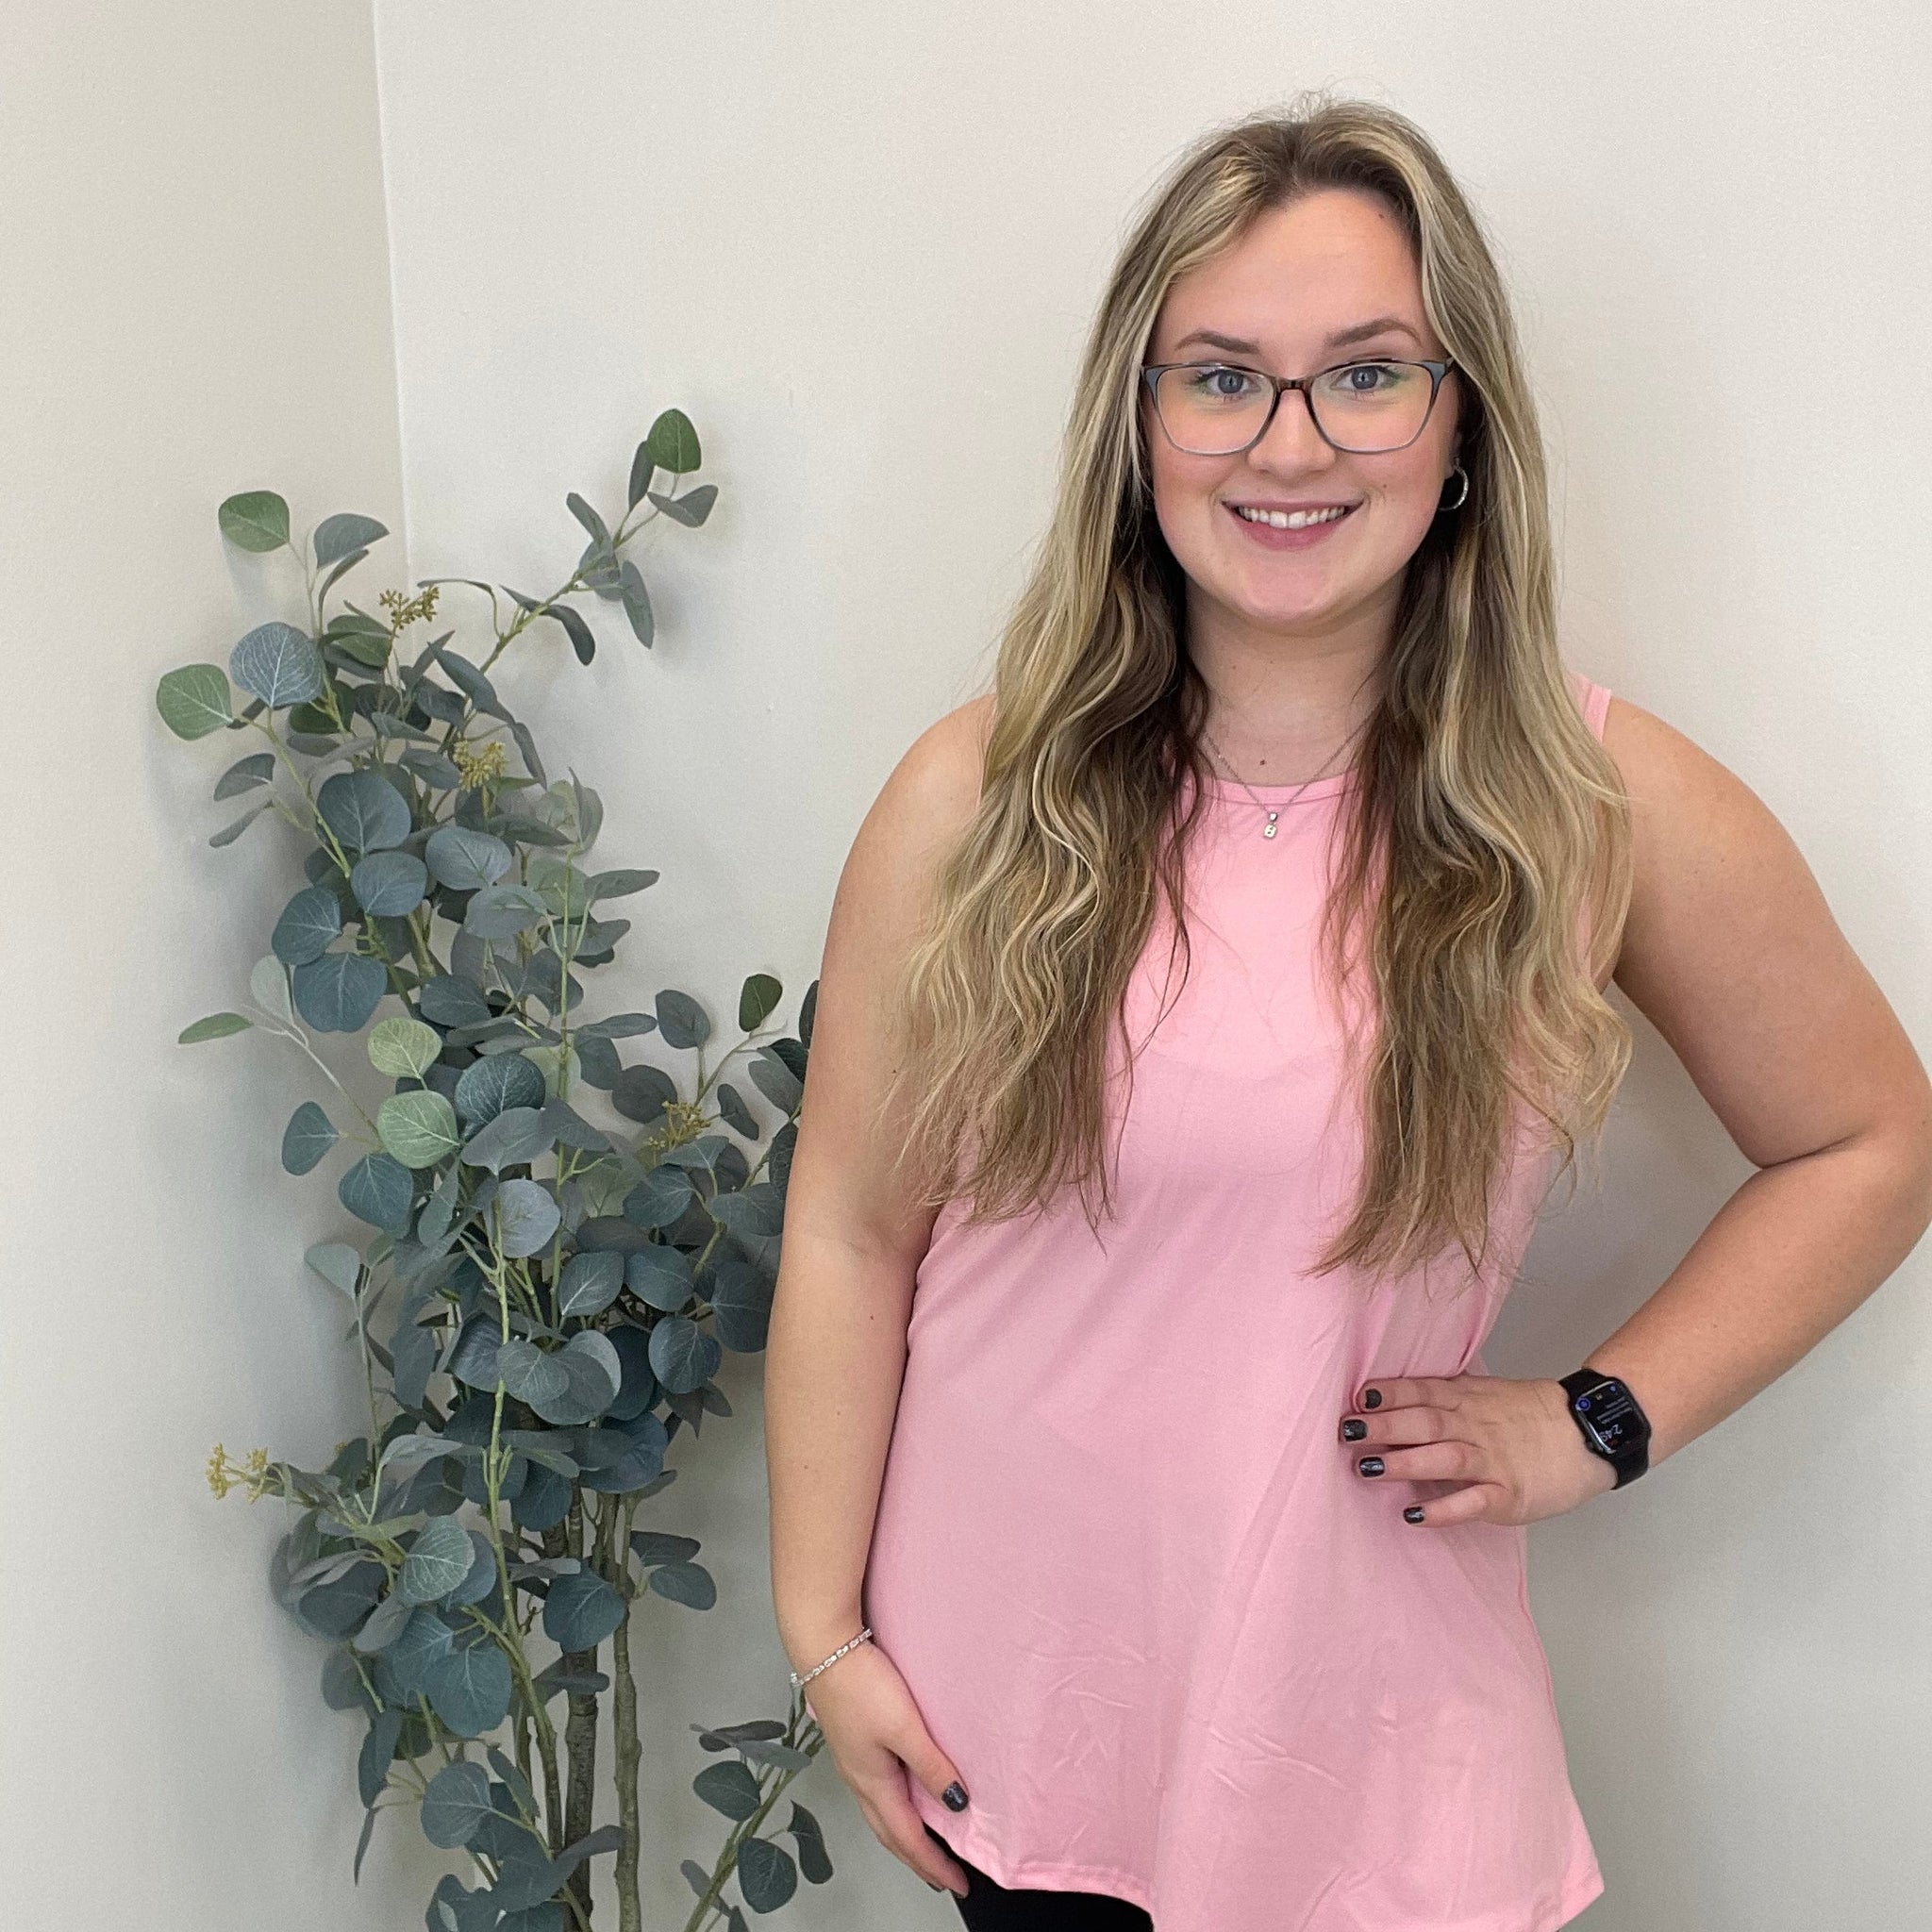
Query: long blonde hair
{"type": "Point", "coordinates": [1493, 821]}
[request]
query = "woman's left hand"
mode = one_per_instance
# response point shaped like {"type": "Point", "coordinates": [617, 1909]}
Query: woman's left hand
{"type": "Point", "coordinates": [1513, 1446]}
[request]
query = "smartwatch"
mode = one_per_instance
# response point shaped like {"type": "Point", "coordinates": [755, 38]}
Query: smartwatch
{"type": "Point", "coordinates": [1612, 1423]}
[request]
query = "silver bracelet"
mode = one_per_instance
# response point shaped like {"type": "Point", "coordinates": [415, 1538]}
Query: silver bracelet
{"type": "Point", "coordinates": [798, 1682]}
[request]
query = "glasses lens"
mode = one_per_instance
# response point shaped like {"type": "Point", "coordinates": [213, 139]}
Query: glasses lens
{"type": "Point", "coordinates": [1209, 409]}
{"type": "Point", "coordinates": [1212, 408]}
{"type": "Point", "coordinates": [1372, 406]}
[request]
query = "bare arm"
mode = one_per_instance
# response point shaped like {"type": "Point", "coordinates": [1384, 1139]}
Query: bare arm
{"type": "Point", "coordinates": [1733, 955]}
{"type": "Point", "coordinates": [836, 1348]}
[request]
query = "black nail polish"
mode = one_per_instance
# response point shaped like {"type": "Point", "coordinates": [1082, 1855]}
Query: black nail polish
{"type": "Point", "coordinates": [1371, 1398]}
{"type": "Point", "coordinates": [1354, 1429]}
{"type": "Point", "coordinates": [1370, 1465]}
{"type": "Point", "coordinates": [1413, 1513]}
{"type": "Point", "coordinates": [954, 1795]}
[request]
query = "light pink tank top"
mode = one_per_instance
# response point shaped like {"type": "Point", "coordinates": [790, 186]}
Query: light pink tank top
{"type": "Point", "coordinates": [1179, 1650]}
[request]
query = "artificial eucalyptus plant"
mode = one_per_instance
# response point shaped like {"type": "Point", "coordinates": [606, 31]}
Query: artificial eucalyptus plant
{"type": "Point", "coordinates": [554, 1246]}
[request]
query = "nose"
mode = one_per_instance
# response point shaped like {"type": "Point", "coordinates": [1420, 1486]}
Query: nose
{"type": "Point", "coordinates": [1292, 442]}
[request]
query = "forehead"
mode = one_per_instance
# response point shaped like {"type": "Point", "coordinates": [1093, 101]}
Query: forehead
{"type": "Point", "coordinates": [1325, 264]}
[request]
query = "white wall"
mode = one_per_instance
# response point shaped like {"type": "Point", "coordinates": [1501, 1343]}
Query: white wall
{"type": "Point", "coordinates": [860, 245]}
{"type": "Point", "coordinates": [193, 300]}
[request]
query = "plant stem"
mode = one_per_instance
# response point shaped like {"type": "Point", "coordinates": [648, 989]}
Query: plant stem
{"type": "Point", "coordinates": [629, 1750]}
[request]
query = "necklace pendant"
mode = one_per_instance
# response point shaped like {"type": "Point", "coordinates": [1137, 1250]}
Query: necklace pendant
{"type": "Point", "coordinates": [1268, 830]}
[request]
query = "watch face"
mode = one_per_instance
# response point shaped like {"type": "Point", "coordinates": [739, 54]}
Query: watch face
{"type": "Point", "coordinates": [1610, 1413]}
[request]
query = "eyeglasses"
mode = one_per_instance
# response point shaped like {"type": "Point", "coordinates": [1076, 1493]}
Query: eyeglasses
{"type": "Point", "coordinates": [1361, 408]}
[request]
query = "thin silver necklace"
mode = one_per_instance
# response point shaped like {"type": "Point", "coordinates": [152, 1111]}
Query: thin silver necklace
{"type": "Point", "coordinates": [1272, 812]}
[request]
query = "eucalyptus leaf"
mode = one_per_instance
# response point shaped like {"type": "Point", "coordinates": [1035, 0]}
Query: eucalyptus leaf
{"type": "Point", "coordinates": [466, 860]}
{"type": "Point", "coordinates": [527, 1216]}
{"type": "Point", "coordinates": [365, 810]}
{"type": "Point", "coordinates": [681, 1021]}
{"type": "Point", "coordinates": [452, 1002]}
{"type": "Point", "coordinates": [390, 884]}
{"type": "Point", "coordinates": [216, 1027]}
{"type": "Point", "coordinates": [310, 923]}
{"type": "Point", "coordinates": [306, 1139]}
{"type": "Point", "coordinates": [493, 1086]}
{"type": "Point", "coordinates": [418, 1127]}
{"type": "Point", "coordinates": [591, 521]}
{"type": "Point", "coordinates": [244, 774]}
{"type": "Point", "coordinates": [531, 1375]}
{"type": "Point", "coordinates": [456, 1805]}
{"type": "Point", "coordinates": [279, 664]}
{"type": "Point", "coordinates": [268, 987]}
{"type": "Point", "coordinates": [194, 701]}
{"type": "Point", "coordinates": [691, 508]}
{"type": "Point", "coordinates": [470, 1689]}
{"type": "Point", "coordinates": [637, 602]}
{"type": "Point", "coordinates": [439, 1559]}
{"type": "Point", "coordinates": [372, 1760]}
{"type": "Point", "coordinates": [235, 827]}
{"type": "Point", "coordinates": [588, 1285]}
{"type": "Point", "coordinates": [513, 1138]}
{"type": "Point", "coordinates": [339, 992]}
{"type": "Point", "coordinates": [500, 912]}
{"type": "Point", "coordinates": [403, 1048]}
{"type": "Point", "coordinates": [337, 536]}
{"type": "Point", "coordinates": [581, 1612]}
{"type": "Point", "coordinates": [338, 1264]}
{"type": "Point", "coordinates": [255, 520]}
{"type": "Point", "coordinates": [378, 1189]}
{"type": "Point", "coordinates": [674, 443]}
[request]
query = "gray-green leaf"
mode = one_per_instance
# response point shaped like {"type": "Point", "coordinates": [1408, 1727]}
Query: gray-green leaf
{"type": "Point", "coordinates": [365, 810]}
{"type": "Point", "coordinates": [337, 536]}
{"type": "Point", "coordinates": [244, 774]}
{"type": "Point", "coordinates": [255, 520]}
{"type": "Point", "coordinates": [403, 1048]}
{"type": "Point", "coordinates": [308, 922]}
{"type": "Point", "coordinates": [218, 1027]}
{"type": "Point", "coordinates": [456, 1805]}
{"type": "Point", "coordinates": [438, 1560]}
{"type": "Point", "coordinates": [418, 1127]}
{"type": "Point", "coordinates": [308, 1136]}
{"type": "Point", "coordinates": [194, 701]}
{"type": "Point", "coordinates": [510, 1139]}
{"type": "Point", "coordinates": [390, 885]}
{"type": "Point", "coordinates": [339, 991]}
{"type": "Point", "coordinates": [277, 663]}
{"type": "Point", "coordinates": [466, 860]}
{"type": "Point", "coordinates": [581, 1612]}
{"type": "Point", "coordinates": [527, 1217]}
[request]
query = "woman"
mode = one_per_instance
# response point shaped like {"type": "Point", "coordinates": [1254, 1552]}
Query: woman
{"type": "Point", "coordinates": [1200, 1011]}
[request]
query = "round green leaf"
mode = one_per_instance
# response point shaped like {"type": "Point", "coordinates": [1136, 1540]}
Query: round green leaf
{"type": "Point", "coordinates": [594, 1372]}
{"type": "Point", "coordinates": [219, 1025]}
{"type": "Point", "coordinates": [683, 1355]}
{"type": "Point", "coordinates": [581, 1612]}
{"type": "Point", "coordinates": [337, 536]}
{"type": "Point", "coordinates": [309, 921]}
{"type": "Point", "coordinates": [419, 1128]}
{"type": "Point", "coordinates": [365, 810]}
{"type": "Point", "coordinates": [308, 1136]}
{"type": "Point", "coordinates": [588, 1284]}
{"type": "Point", "coordinates": [452, 1002]}
{"type": "Point", "coordinates": [194, 701]}
{"type": "Point", "coordinates": [469, 1689]}
{"type": "Point", "coordinates": [466, 860]}
{"type": "Point", "coordinates": [500, 912]}
{"type": "Point", "coordinates": [527, 1217]}
{"type": "Point", "coordinates": [531, 1374]}
{"type": "Point", "coordinates": [681, 1021]}
{"type": "Point", "coordinates": [757, 999]}
{"type": "Point", "coordinates": [277, 663]}
{"type": "Point", "coordinates": [378, 1189]}
{"type": "Point", "coordinates": [255, 520]}
{"type": "Point", "coordinates": [438, 1560]}
{"type": "Point", "coordinates": [510, 1139]}
{"type": "Point", "coordinates": [337, 993]}
{"type": "Point", "coordinates": [491, 1086]}
{"type": "Point", "coordinates": [673, 443]}
{"type": "Point", "coordinates": [338, 1264]}
{"type": "Point", "coordinates": [390, 884]}
{"type": "Point", "coordinates": [403, 1048]}
{"type": "Point", "coordinates": [456, 1805]}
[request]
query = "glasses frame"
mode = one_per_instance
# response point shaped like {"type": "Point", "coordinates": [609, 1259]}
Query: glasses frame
{"type": "Point", "coordinates": [1151, 374]}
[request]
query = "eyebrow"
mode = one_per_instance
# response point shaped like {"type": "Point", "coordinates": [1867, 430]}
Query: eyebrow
{"type": "Point", "coordinates": [1361, 332]}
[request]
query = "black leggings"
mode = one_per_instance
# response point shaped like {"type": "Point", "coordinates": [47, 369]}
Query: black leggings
{"type": "Point", "coordinates": [988, 1906]}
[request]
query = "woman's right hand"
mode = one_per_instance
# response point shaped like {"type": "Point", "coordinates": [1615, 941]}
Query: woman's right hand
{"type": "Point", "coordinates": [877, 1738]}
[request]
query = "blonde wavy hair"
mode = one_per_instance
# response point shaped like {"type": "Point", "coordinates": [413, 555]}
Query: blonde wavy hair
{"type": "Point", "coordinates": [1492, 820]}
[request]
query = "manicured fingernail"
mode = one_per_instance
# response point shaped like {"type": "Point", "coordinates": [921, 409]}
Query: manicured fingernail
{"type": "Point", "coordinates": [1413, 1513]}
{"type": "Point", "coordinates": [1370, 1465]}
{"type": "Point", "coordinates": [954, 1795]}
{"type": "Point", "coordinates": [1354, 1429]}
{"type": "Point", "coordinates": [1371, 1398]}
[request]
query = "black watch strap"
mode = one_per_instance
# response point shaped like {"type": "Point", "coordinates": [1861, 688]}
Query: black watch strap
{"type": "Point", "coordinates": [1612, 1423]}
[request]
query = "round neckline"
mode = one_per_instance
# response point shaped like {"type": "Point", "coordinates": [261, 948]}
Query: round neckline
{"type": "Point", "coordinates": [1280, 794]}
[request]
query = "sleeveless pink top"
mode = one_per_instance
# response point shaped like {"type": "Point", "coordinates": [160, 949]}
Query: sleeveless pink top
{"type": "Point", "coordinates": [1179, 1650]}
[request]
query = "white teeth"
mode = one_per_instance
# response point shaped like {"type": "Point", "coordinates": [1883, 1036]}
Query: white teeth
{"type": "Point", "coordinates": [1291, 520]}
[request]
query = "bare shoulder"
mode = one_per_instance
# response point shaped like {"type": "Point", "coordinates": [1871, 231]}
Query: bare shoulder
{"type": "Point", "coordinates": [1732, 953]}
{"type": "Point", "coordinates": [928, 796]}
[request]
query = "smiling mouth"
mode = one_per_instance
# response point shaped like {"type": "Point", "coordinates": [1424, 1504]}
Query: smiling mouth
{"type": "Point", "coordinates": [1293, 519]}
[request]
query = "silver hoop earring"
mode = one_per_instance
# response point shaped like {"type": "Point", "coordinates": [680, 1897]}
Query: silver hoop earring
{"type": "Point", "coordinates": [1458, 471]}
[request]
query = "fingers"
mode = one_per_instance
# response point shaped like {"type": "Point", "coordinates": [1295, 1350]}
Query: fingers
{"type": "Point", "coordinates": [1421, 1424]}
{"type": "Point", "coordinates": [900, 1828]}
{"type": "Point", "coordinates": [1427, 1462]}
{"type": "Point", "coordinates": [1404, 1391]}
